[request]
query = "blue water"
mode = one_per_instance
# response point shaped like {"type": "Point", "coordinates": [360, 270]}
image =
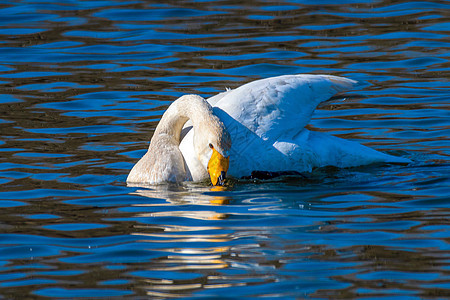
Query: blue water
{"type": "Point", "coordinates": [84, 83]}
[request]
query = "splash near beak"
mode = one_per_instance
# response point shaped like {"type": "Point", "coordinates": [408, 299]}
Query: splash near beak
{"type": "Point", "coordinates": [217, 168]}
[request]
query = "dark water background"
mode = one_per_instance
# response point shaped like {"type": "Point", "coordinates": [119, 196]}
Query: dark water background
{"type": "Point", "coordinates": [84, 83]}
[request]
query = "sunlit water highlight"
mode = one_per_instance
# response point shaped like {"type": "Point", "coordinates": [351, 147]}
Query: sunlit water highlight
{"type": "Point", "coordinates": [83, 85]}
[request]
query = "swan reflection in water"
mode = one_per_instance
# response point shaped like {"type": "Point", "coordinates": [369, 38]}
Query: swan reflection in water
{"type": "Point", "coordinates": [197, 249]}
{"type": "Point", "coordinates": [183, 194]}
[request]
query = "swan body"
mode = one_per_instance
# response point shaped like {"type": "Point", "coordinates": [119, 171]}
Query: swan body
{"type": "Point", "coordinates": [258, 126]}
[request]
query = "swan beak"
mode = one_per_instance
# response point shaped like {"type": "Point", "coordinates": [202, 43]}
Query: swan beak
{"type": "Point", "coordinates": [218, 167]}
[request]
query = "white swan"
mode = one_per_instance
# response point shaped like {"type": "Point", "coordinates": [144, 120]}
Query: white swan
{"type": "Point", "coordinates": [258, 126]}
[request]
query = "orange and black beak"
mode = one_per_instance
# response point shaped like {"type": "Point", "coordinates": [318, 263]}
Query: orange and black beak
{"type": "Point", "coordinates": [218, 167]}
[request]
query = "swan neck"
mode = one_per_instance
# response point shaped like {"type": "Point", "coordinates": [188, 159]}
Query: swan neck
{"type": "Point", "coordinates": [188, 107]}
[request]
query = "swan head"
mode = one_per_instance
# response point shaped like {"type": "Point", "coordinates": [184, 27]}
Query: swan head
{"type": "Point", "coordinates": [217, 167]}
{"type": "Point", "coordinates": [212, 142]}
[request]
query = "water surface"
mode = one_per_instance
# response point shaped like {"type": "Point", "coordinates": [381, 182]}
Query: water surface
{"type": "Point", "coordinates": [83, 85]}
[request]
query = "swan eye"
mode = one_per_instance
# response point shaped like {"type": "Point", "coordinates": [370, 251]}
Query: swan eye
{"type": "Point", "coordinates": [211, 146]}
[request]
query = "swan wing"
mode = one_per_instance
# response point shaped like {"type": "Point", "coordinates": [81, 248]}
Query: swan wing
{"type": "Point", "coordinates": [338, 152]}
{"type": "Point", "coordinates": [279, 107]}
{"type": "Point", "coordinates": [312, 149]}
